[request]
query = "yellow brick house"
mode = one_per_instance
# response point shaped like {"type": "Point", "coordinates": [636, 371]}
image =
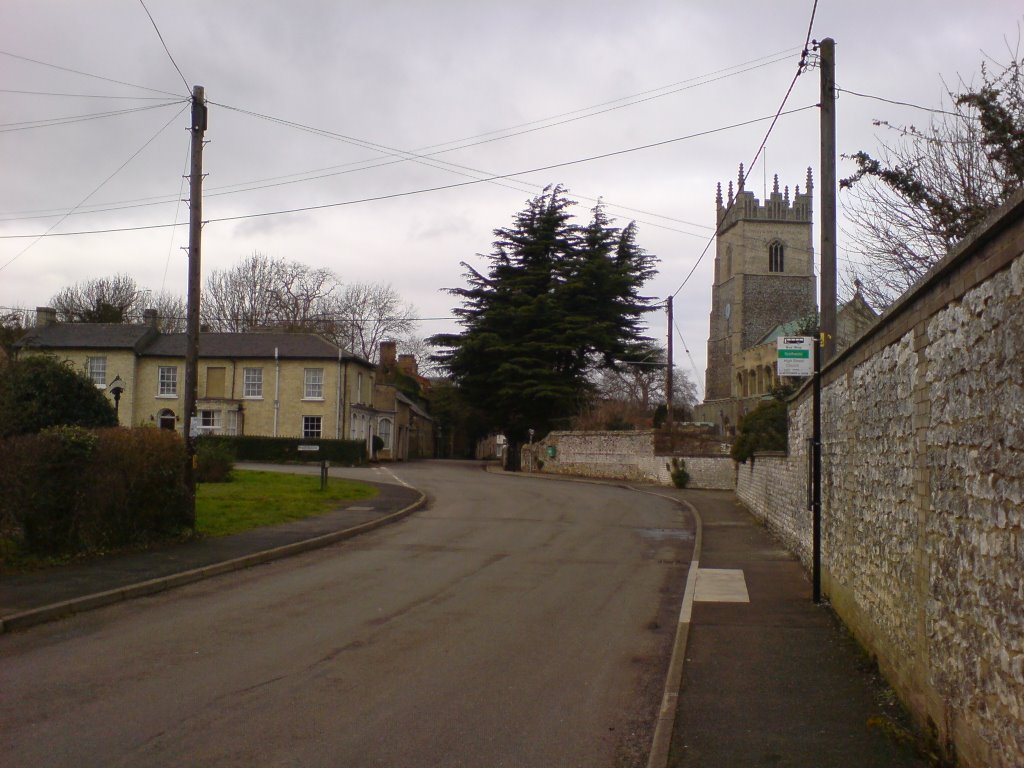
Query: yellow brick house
{"type": "Point", "coordinates": [272, 383]}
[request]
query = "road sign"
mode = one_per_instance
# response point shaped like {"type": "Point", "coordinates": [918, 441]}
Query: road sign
{"type": "Point", "coordinates": [795, 356]}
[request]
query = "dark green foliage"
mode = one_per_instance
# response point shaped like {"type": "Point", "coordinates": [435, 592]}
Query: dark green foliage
{"type": "Point", "coordinates": [763, 429]}
{"type": "Point", "coordinates": [677, 468]}
{"type": "Point", "coordinates": [38, 392]}
{"type": "Point", "coordinates": [285, 449]}
{"type": "Point", "coordinates": [68, 490]}
{"type": "Point", "coordinates": [558, 301]}
{"type": "Point", "coordinates": [215, 461]}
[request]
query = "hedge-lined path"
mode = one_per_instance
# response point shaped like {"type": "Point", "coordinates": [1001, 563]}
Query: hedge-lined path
{"type": "Point", "coordinates": [38, 596]}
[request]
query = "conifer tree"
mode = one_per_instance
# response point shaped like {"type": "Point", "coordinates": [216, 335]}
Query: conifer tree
{"type": "Point", "coordinates": [557, 301]}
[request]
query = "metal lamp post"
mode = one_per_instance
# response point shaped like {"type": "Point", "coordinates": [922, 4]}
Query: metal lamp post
{"type": "Point", "coordinates": [116, 389]}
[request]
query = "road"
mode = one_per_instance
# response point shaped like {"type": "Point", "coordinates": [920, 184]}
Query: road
{"type": "Point", "coordinates": [514, 622]}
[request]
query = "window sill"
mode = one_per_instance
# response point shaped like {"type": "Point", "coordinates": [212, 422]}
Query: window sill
{"type": "Point", "coordinates": [312, 399]}
{"type": "Point", "coordinates": [166, 397]}
{"type": "Point", "coordinates": [252, 397]}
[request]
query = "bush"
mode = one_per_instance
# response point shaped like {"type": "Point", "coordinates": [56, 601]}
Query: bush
{"type": "Point", "coordinates": [215, 462]}
{"type": "Point", "coordinates": [763, 429]}
{"type": "Point", "coordinates": [39, 392]}
{"type": "Point", "coordinates": [69, 490]}
{"type": "Point", "coordinates": [284, 449]}
{"type": "Point", "coordinates": [680, 477]}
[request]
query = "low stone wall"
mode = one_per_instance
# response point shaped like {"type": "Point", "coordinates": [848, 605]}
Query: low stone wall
{"type": "Point", "coordinates": [624, 455]}
{"type": "Point", "coordinates": [923, 494]}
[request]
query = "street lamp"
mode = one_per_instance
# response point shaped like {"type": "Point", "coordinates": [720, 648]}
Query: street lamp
{"type": "Point", "coordinates": [116, 388]}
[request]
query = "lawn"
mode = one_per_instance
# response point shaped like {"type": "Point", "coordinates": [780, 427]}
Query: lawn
{"type": "Point", "coordinates": [255, 499]}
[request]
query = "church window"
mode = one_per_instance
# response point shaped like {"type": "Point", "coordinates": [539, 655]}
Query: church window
{"type": "Point", "coordinates": [775, 253]}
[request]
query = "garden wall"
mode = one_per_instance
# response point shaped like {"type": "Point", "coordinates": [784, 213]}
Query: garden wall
{"type": "Point", "coordinates": [624, 455]}
{"type": "Point", "coordinates": [923, 494]}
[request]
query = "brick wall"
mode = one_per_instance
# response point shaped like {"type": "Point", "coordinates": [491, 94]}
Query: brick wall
{"type": "Point", "coordinates": [923, 494]}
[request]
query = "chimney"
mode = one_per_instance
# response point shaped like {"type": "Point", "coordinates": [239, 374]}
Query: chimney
{"type": "Point", "coordinates": [388, 350]}
{"type": "Point", "coordinates": [45, 316]}
{"type": "Point", "coordinates": [407, 365]}
{"type": "Point", "coordinates": [150, 318]}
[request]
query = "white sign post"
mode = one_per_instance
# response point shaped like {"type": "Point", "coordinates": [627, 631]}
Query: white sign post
{"type": "Point", "coordinates": [795, 356]}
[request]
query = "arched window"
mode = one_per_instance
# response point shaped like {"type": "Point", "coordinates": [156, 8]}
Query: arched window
{"type": "Point", "coordinates": [166, 419]}
{"type": "Point", "coordinates": [728, 262]}
{"type": "Point", "coordinates": [775, 253]}
{"type": "Point", "coordinates": [384, 432]}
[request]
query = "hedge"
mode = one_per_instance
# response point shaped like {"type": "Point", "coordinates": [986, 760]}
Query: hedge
{"type": "Point", "coordinates": [68, 490]}
{"type": "Point", "coordinates": [285, 449]}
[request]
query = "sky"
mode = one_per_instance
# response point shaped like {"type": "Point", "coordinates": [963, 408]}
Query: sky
{"type": "Point", "coordinates": [380, 118]}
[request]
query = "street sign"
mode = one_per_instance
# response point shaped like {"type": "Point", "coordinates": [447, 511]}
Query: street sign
{"type": "Point", "coordinates": [795, 356]}
{"type": "Point", "coordinates": [309, 447]}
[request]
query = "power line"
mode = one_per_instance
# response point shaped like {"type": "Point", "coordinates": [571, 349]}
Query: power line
{"type": "Point", "coordinates": [82, 95]}
{"type": "Point", "coordinates": [456, 185]}
{"type": "Point", "coordinates": [760, 149]}
{"type": "Point", "coordinates": [94, 191]}
{"type": "Point", "coordinates": [686, 348]}
{"type": "Point", "coordinates": [86, 74]}
{"type": "Point", "coordinates": [183, 80]}
{"type": "Point", "coordinates": [904, 104]}
{"type": "Point", "coordinates": [52, 121]}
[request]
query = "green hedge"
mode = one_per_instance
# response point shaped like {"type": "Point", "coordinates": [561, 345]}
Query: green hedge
{"type": "Point", "coordinates": [284, 449]}
{"type": "Point", "coordinates": [68, 490]}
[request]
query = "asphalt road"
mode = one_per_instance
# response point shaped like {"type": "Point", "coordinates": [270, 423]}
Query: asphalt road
{"type": "Point", "coordinates": [514, 622]}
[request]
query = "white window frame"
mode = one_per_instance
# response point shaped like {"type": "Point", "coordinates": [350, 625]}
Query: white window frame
{"type": "Point", "coordinates": [313, 384]}
{"type": "Point", "coordinates": [252, 383]}
{"type": "Point", "coordinates": [211, 422]}
{"type": "Point", "coordinates": [385, 434]}
{"type": "Point", "coordinates": [307, 431]}
{"type": "Point", "coordinates": [167, 381]}
{"type": "Point", "coordinates": [96, 369]}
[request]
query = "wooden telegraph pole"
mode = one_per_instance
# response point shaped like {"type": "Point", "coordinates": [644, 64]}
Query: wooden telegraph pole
{"type": "Point", "coordinates": [195, 231]}
{"type": "Point", "coordinates": [669, 415]}
{"type": "Point", "coordinates": [828, 196]}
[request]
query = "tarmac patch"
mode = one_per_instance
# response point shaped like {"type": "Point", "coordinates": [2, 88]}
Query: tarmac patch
{"type": "Point", "coordinates": [720, 585]}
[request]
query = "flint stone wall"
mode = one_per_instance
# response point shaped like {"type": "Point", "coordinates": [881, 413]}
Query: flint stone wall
{"type": "Point", "coordinates": [923, 494]}
{"type": "Point", "coordinates": [627, 455]}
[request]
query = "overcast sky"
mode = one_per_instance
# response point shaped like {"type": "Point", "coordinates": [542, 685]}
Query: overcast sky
{"type": "Point", "coordinates": [506, 86]}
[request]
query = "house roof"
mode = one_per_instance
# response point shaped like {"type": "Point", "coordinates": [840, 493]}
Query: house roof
{"type": "Point", "coordinates": [144, 340]}
{"type": "Point", "coordinates": [88, 336]}
{"type": "Point", "coordinates": [412, 406]}
{"type": "Point", "coordinates": [253, 345]}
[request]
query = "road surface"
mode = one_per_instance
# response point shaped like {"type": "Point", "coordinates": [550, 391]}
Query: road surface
{"type": "Point", "coordinates": [514, 622]}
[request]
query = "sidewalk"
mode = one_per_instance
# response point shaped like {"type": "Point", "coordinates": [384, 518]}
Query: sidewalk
{"type": "Point", "coordinates": [49, 594]}
{"type": "Point", "coordinates": [775, 681]}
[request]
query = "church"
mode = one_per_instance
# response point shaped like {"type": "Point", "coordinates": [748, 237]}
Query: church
{"type": "Point", "coordinates": [764, 287]}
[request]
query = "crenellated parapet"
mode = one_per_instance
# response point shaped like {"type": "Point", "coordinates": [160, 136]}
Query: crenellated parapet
{"type": "Point", "coordinates": [741, 205]}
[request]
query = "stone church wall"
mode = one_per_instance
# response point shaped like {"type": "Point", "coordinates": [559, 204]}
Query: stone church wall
{"type": "Point", "coordinates": [923, 494]}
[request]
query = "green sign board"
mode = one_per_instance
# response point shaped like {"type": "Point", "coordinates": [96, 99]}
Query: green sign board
{"type": "Point", "coordinates": [794, 356]}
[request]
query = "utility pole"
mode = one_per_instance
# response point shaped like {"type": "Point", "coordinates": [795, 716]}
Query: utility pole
{"type": "Point", "coordinates": [824, 346]}
{"type": "Point", "coordinates": [669, 415]}
{"type": "Point", "coordinates": [195, 232]}
{"type": "Point", "coordinates": [828, 195]}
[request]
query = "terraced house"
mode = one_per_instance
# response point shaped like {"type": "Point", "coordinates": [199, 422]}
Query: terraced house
{"type": "Point", "coordinates": [272, 383]}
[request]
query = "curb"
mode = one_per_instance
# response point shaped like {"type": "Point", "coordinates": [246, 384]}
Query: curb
{"type": "Point", "coordinates": [662, 739]}
{"type": "Point", "coordinates": [66, 608]}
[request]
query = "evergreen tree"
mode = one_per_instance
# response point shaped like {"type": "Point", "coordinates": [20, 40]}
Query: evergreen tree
{"type": "Point", "coordinates": [557, 301]}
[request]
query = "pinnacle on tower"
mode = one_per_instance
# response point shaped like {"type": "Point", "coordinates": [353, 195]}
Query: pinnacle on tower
{"type": "Point", "coordinates": [786, 197]}
{"type": "Point", "coordinates": [730, 194]}
{"type": "Point", "coordinates": [718, 195]}
{"type": "Point", "coordinates": [740, 185]}
{"type": "Point", "coordinates": [810, 185]}
{"type": "Point", "coordinates": [775, 187]}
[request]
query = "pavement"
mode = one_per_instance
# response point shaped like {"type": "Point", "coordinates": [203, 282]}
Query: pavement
{"type": "Point", "coordinates": [760, 676]}
{"type": "Point", "coordinates": [53, 593]}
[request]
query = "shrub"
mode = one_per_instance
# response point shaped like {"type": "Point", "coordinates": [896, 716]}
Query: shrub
{"type": "Point", "coordinates": [283, 449]}
{"type": "Point", "coordinates": [215, 461]}
{"type": "Point", "coordinates": [39, 392]}
{"type": "Point", "coordinates": [763, 429]}
{"type": "Point", "coordinates": [69, 490]}
{"type": "Point", "coordinates": [677, 469]}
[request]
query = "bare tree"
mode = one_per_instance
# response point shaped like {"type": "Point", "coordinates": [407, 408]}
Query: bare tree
{"type": "Point", "coordinates": [243, 297]}
{"type": "Point", "coordinates": [931, 186]}
{"type": "Point", "coordinates": [170, 309]}
{"type": "Point", "coordinates": [365, 314]}
{"type": "Point", "coordinates": [99, 300]}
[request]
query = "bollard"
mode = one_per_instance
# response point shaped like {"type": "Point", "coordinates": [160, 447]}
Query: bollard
{"type": "Point", "coordinates": [323, 475]}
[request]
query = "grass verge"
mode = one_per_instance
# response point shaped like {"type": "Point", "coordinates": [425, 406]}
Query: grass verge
{"type": "Point", "coordinates": [255, 499]}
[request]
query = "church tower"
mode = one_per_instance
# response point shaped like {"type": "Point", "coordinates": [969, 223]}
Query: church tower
{"type": "Point", "coordinates": [764, 276]}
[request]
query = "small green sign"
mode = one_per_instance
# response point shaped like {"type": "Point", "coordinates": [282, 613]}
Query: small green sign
{"type": "Point", "coordinates": [794, 353]}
